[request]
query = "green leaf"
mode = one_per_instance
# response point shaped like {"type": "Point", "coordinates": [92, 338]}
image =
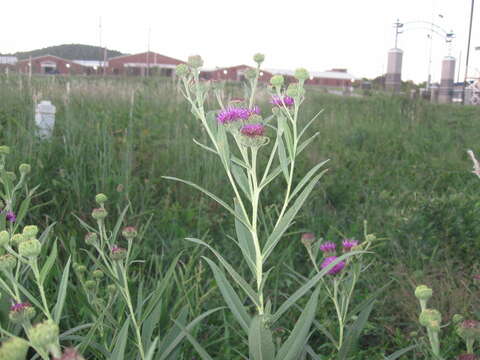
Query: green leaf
{"type": "Point", "coordinates": [239, 280]}
{"type": "Point", "coordinates": [209, 149]}
{"type": "Point", "coordinates": [309, 123]}
{"type": "Point", "coordinates": [307, 142]}
{"type": "Point", "coordinates": [245, 239]}
{"type": "Point", "coordinates": [121, 343]}
{"type": "Point", "coordinates": [400, 352]}
{"type": "Point", "coordinates": [208, 193]}
{"type": "Point", "coordinates": [260, 341]}
{"type": "Point", "coordinates": [354, 332]}
{"type": "Point", "coordinates": [231, 298]}
{"type": "Point", "coordinates": [307, 177]}
{"type": "Point", "coordinates": [284, 127]}
{"type": "Point", "coordinates": [151, 349]}
{"type": "Point", "coordinates": [48, 263]}
{"type": "Point", "coordinates": [287, 219]}
{"type": "Point", "coordinates": [62, 292]}
{"type": "Point", "coordinates": [174, 343]}
{"type": "Point", "coordinates": [171, 335]}
{"type": "Point", "coordinates": [293, 347]}
{"type": "Point", "coordinates": [150, 323]}
{"type": "Point", "coordinates": [241, 179]}
{"type": "Point", "coordinates": [201, 351]}
{"type": "Point", "coordinates": [282, 156]}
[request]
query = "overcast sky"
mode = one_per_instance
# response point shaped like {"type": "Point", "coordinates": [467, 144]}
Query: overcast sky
{"type": "Point", "coordinates": [316, 34]}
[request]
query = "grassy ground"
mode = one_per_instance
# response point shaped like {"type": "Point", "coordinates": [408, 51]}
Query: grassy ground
{"type": "Point", "coordinates": [398, 164]}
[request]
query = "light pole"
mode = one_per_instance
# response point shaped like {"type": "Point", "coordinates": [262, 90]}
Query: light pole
{"type": "Point", "coordinates": [468, 49]}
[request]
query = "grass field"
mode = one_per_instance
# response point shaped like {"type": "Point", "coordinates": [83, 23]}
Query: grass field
{"type": "Point", "coordinates": [399, 165]}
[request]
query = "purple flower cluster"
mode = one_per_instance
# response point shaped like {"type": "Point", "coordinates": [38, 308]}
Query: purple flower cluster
{"type": "Point", "coordinates": [336, 268]}
{"type": "Point", "coordinates": [279, 101]}
{"type": "Point", "coordinates": [18, 307]}
{"type": "Point", "coordinates": [348, 244]}
{"type": "Point", "coordinates": [11, 217]}
{"type": "Point", "coordinates": [253, 130]}
{"type": "Point", "coordinates": [232, 114]}
{"type": "Point", "coordinates": [328, 247]}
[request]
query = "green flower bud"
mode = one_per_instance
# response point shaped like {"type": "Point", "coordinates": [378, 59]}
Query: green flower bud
{"type": "Point", "coordinates": [428, 316]}
{"type": "Point", "coordinates": [423, 292]}
{"type": "Point", "coordinates": [308, 239]}
{"type": "Point", "coordinates": [80, 269]}
{"type": "Point", "coordinates": [101, 199]}
{"type": "Point", "coordinates": [11, 176]}
{"type": "Point", "coordinates": [112, 289]}
{"type": "Point", "coordinates": [295, 91]}
{"type": "Point", "coordinates": [182, 70]}
{"type": "Point", "coordinates": [469, 330]}
{"type": "Point", "coordinates": [91, 238]}
{"type": "Point", "coordinates": [370, 237]}
{"type": "Point", "coordinates": [118, 253]}
{"type": "Point", "coordinates": [4, 238]}
{"type": "Point", "coordinates": [30, 231]}
{"type": "Point", "coordinates": [17, 239]}
{"type": "Point", "coordinates": [99, 214]}
{"type": "Point", "coordinates": [30, 248]}
{"type": "Point", "coordinates": [90, 284]}
{"type": "Point", "coordinates": [4, 150]}
{"type": "Point", "coordinates": [250, 74]}
{"type": "Point", "coordinates": [21, 313]}
{"type": "Point", "coordinates": [301, 74]}
{"type": "Point", "coordinates": [97, 274]}
{"type": "Point", "coordinates": [195, 61]}
{"type": "Point", "coordinates": [434, 326]}
{"type": "Point", "coordinates": [129, 232]}
{"type": "Point", "coordinates": [44, 334]}
{"type": "Point", "coordinates": [457, 318]}
{"type": "Point", "coordinates": [7, 262]}
{"type": "Point", "coordinates": [258, 58]}
{"type": "Point", "coordinates": [24, 169]}
{"type": "Point", "coordinates": [277, 80]}
{"type": "Point", "coordinates": [14, 348]}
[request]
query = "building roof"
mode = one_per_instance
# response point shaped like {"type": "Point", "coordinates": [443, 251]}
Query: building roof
{"type": "Point", "coordinates": [330, 74]}
{"type": "Point", "coordinates": [153, 58]}
{"type": "Point", "coordinates": [91, 63]}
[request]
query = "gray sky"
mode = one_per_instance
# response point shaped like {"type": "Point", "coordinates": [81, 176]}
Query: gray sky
{"type": "Point", "coordinates": [316, 34]}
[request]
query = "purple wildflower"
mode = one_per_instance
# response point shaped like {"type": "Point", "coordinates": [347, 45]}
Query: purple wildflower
{"type": "Point", "coordinates": [335, 269]}
{"type": "Point", "coordinates": [11, 217]}
{"type": "Point", "coordinates": [348, 244]}
{"type": "Point", "coordinates": [328, 247]}
{"type": "Point", "coordinates": [18, 307]}
{"type": "Point", "coordinates": [278, 101]}
{"type": "Point", "coordinates": [232, 114]}
{"type": "Point", "coordinates": [253, 130]}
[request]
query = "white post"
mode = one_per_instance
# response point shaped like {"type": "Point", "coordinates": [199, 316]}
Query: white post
{"type": "Point", "coordinates": [45, 119]}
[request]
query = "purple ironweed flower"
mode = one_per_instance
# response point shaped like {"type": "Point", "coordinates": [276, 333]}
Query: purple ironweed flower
{"type": "Point", "coordinates": [328, 247]}
{"type": "Point", "coordinates": [467, 357]}
{"type": "Point", "coordinates": [287, 100]}
{"type": "Point", "coordinates": [335, 269]}
{"type": "Point", "coordinates": [253, 130]}
{"type": "Point", "coordinates": [348, 244]}
{"type": "Point", "coordinates": [232, 114]}
{"type": "Point", "coordinates": [11, 217]}
{"type": "Point", "coordinates": [18, 307]}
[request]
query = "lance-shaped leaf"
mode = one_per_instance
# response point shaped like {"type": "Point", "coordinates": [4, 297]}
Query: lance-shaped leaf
{"type": "Point", "coordinates": [230, 296]}
{"type": "Point", "coordinates": [294, 345]}
{"type": "Point", "coordinates": [238, 279]}
{"type": "Point", "coordinates": [245, 239]}
{"type": "Point", "coordinates": [260, 340]}
{"type": "Point", "coordinates": [62, 293]}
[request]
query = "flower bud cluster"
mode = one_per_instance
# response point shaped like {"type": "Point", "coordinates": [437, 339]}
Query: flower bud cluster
{"type": "Point", "coordinates": [14, 348]}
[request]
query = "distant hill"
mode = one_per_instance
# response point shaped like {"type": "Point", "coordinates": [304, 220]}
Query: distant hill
{"type": "Point", "coordinates": [70, 51]}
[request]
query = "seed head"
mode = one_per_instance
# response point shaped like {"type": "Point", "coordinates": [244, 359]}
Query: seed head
{"type": "Point", "coordinates": [195, 61]}
{"type": "Point", "coordinates": [277, 80]}
{"type": "Point", "coordinates": [430, 317]}
{"type": "Point", "coordinates": [14, 348]}
{"type": "Point", "coordinates": [258, 58]}
{"type": "Point", "coordinates": [99, 213]}
{"type": "Point", "coordinates": [44, 334]}
{"type": "Point", "coordinates": [17, 239]}
{"type": "Point", "coordinates": [308, 239]}
{"type": "Point", "coordinates": [301, 74]}
{"type": "Point", "coordinates": [129, 232]}
{"type": "Point", "coordinates": [91, 238]}
{"type": "Point", "coordinates": [7, 262]}
{"type": "Point", "coordinates": [90, 284]}
{"type": "Point", "coordinates": [117, 253]}
{"type": "Point", "coordinates": [30, 231]}
{"type": "Point", "coordinates": [98, 274]}
{"type": "Point", "coordinates": [30, 248]}
{"type": "Point", "coordinates": [423, 292]}
{"type": "Point", "coordinates": [4, 238]}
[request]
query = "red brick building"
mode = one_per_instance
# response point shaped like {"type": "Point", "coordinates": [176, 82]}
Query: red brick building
{"type": "Point", "coordinates": [147, 63]}
{"type": "Point", "coordinates": [335, 78]}
{"type": "Point", "coordinates": [50, 64]}
{"type": "Point", "coordinates": [233, 73]}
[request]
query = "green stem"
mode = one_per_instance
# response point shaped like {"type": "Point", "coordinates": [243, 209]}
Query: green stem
{"type": "Point", "coordinates": [36, 273]}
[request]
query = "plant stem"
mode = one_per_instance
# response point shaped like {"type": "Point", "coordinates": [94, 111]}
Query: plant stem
{"type": "Point", "coordinates": [36, 273]}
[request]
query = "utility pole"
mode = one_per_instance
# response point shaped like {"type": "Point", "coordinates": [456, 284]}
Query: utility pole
{"type": "Point", "coordinates": [468, 49]}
